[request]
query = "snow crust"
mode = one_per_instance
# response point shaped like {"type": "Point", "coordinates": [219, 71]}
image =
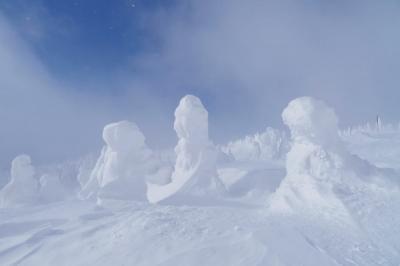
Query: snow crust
{"type": "Point", "coordinates": [195, 173]}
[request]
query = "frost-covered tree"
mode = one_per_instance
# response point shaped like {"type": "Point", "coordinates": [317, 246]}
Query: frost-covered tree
{"type": "Point", "coordinates": [318, 165]}
{"type": "Point", "coordinates": [271, 144]}
{"type": "Point", "coordinates": [23, 188]}
{"type": "Point", "coordinates": [195, 173]}
{"type": "Point", "coordinates": [120, 172]}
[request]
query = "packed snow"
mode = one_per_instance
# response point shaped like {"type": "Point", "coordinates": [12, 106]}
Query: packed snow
{"type": "Point", "coordinates": [319, 196]}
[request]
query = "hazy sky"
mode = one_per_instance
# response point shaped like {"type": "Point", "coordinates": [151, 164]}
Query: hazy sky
{"type": "Point", "coordinates": [69, 67]}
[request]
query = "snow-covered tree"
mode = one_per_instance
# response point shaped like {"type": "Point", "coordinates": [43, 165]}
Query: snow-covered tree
{"type": "Point", "coordinates": [195, 173]}
{"type": "Point", "coordinates": [120, 172]}
{"type": "Point", "coordinates": [23, 187]}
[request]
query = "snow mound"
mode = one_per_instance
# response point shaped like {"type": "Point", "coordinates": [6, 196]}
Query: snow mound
{"type": "Point", "coordinates": [271, 144]}
{"type": "Point", "coordinates": [378, 143]}
{"type": "Point", "coordinates": [195, 174]}
{"type": "Point", "coordinates": [120, 171]}
{"type": "Point", "coordinates": [23, 187]}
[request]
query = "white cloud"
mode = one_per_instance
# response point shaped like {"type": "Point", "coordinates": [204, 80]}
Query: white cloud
{"type": "Point", "coordinates": [244, 59]}
{"type": "Point", "coordinates": [37, 115]}
{"type": "Point", "coordinates": [257, 55]}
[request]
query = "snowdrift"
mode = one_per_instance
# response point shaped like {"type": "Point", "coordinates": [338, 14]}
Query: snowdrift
{"type": "Point", "coordinates": [377, 143]}
{"type": "Point", "coordinates": [319, 204]}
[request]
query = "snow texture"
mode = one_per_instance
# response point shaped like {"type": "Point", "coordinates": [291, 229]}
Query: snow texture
{"type": "Point", "coordinates": [326, 205]}
{"type": "Point", "coordinates": [195, 173]}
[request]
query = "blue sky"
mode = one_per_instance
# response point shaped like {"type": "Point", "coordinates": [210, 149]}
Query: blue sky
{"type": "Point", "coordinates": [80, 38]}
{"type": "Point", "coordinates": [73, 66]}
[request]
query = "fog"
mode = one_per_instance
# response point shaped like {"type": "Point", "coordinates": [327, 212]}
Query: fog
{"type": "Point", "coordinates": [252, 57]}
{"type": "Point", "coordinates": [38, 115]}
{"type": "Point", "coordinates": [245, 59]}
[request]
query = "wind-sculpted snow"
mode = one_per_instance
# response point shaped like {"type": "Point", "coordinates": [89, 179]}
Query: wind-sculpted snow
{"type": "Point", "coordinates": [325, 207]}
{"type": "Point", "coordinates": [195, 172]}
{"type": "Point", "coordinates": [23, 188]}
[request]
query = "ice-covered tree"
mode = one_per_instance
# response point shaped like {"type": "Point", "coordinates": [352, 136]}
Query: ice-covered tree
{"type": "Point", "coordinates": [120, 172]}
{"type": "Point", "coordinates": [23, 188]}
{"type": "Point", "coordinates": [271, 144]}
{"type": "Point", "coordinates": [195, 172]}
{"type": "Point", "coordinates": [318, 164]}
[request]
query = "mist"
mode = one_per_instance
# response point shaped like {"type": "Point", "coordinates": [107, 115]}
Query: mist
{"type": "Point", "coordinates": [38, 115]}
{"type": "Point", "coordinates": [250, 58]}
{"type": "Point", "coordinates": [245, 60]}
{"type": "Point", "coordinates": [199, 132]}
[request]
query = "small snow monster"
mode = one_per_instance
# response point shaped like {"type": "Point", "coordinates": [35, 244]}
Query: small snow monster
{"type": "Point", "coordinates": [195, 172]}
{"type": "Point", "coordinates": [23, 188]}
{"type": "Point", "coordinates": [120, 172]}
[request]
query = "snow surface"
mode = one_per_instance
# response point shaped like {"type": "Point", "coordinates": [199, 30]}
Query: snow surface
{"type": "Point", "coordinates": [333, 199]}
